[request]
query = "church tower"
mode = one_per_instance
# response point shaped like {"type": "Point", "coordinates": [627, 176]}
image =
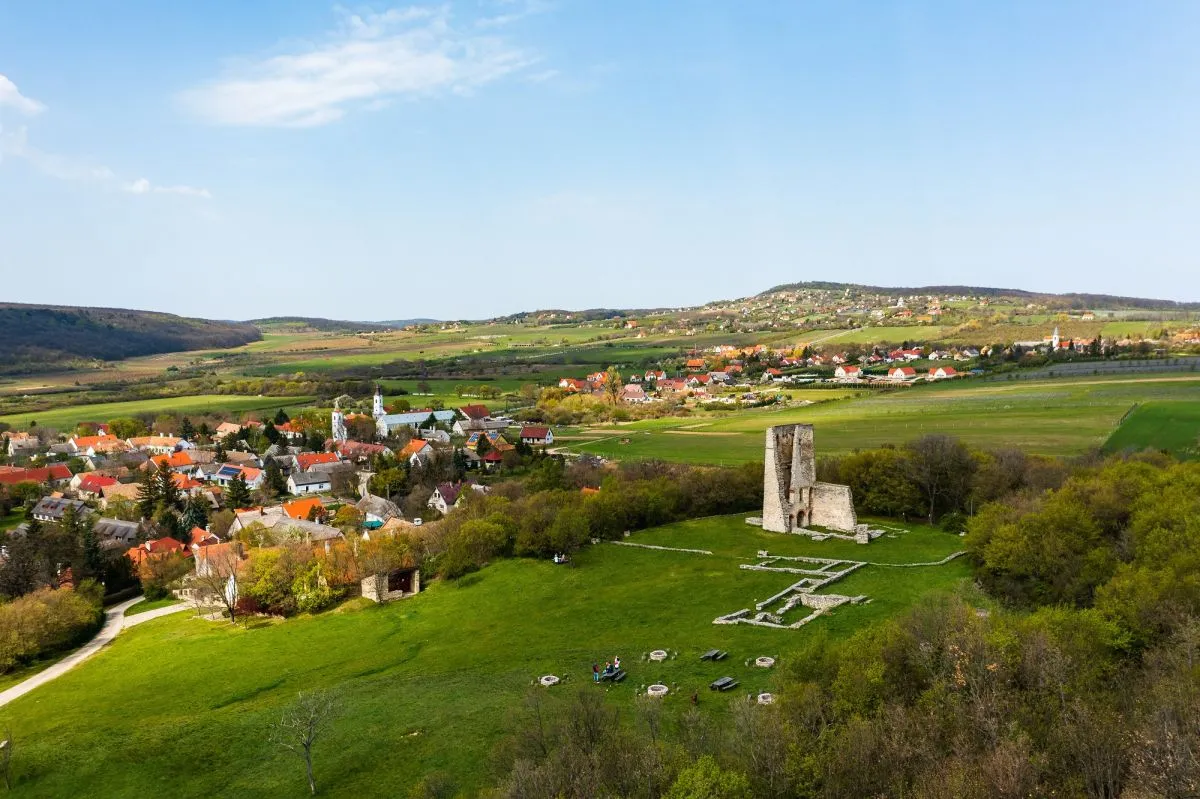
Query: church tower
{"type": "Point", "coordinates": [377, 409]}
{"type": "Point", "coordinates": [1054, 340]}
{"type": "Point", "coordinates": [337, 424]}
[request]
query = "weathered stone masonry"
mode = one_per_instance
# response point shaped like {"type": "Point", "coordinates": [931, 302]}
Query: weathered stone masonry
{"type": "Point", "coordinates": [792, 497]}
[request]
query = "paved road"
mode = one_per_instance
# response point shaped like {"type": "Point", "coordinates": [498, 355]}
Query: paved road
{"type": "Point", "coordinates": [114, 622]}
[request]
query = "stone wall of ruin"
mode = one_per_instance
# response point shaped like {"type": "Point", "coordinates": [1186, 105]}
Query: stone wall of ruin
{"type": "Point", "coordinates": [833, 507]}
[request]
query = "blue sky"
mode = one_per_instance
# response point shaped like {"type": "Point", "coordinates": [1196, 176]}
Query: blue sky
{"type": "Point", "coordinates": [463, 160]}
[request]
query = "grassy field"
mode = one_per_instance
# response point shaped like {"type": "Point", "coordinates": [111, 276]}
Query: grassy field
{"type": "Point", "coordinates": [182, 705]}
{"type": "Point", "coordinates": [149, 604]}
{"type": "Point", "coordinates": [1173, 426]}
{"type": "Point", "coordinates": [1051, 417]}
{"type": "Point", "coordinates": [221, 404]}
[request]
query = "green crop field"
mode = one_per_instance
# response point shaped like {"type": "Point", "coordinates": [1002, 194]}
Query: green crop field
{"type": "Point", "coordinates": [224, 404]}
{"type": "Point", "coordinates": [1059, 417]}
{"type": "Point", "coordinates": [430, 683]}
{"type": "Point", "coordinates": [1173, 426]}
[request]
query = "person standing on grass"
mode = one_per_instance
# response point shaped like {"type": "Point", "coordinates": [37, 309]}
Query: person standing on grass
{"type": "Point", "coordinates": [596, 672]}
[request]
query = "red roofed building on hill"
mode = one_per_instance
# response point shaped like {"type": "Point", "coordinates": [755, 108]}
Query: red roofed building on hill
{"type": "Point", "coordinates": [476, 412]}
{"type": "Point", "coordinates": [537, 435]}
{"type": "Point", "coordinates": [307, 460]}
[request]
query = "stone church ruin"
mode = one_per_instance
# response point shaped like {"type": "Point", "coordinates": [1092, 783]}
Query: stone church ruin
{"type": "Point", "coordinates": [793, 499]}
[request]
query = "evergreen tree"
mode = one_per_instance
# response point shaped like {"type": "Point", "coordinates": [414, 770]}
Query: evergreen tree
{"type": "Point", "coordinates": [220, 451]}
{"type": "Point", "coordinates": [195, 513]}
{"type": "Point", "coordinates": [281, 417]}
{"type": "Point", "coordinates": [274, 481]}
{"type": "Point", "coordinates": [237, 493]}
{"type": "Point", "coordinates": [148, 496]}
{"type": "Point", "coordinates": [169, 495]}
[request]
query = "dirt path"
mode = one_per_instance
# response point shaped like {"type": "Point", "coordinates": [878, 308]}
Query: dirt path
{"type": "Point", "coordinates": [114, 622]}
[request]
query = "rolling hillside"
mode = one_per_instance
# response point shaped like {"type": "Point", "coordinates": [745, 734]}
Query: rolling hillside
{"type": "Point", "coordinates": [42, 337]}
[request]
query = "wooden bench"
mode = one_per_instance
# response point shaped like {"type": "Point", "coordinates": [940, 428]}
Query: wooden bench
{"type": "Point", "coordinates": [615, 676]}
{"type": "Point", "coordinates": [723, 684]}
{"type": "Point", "coordinates": [714, 654]}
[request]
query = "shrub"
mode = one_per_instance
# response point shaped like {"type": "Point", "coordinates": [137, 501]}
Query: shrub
{"type": "Point", "coordinates": [46, 620]}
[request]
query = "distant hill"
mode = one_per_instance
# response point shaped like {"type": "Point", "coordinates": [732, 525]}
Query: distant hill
{"type": "Point", "coordinates": [309, 324]}
{"type": "Point", "coordinates": [1071, 300]}
{"type": "Point", "coordinates": [44, 337]}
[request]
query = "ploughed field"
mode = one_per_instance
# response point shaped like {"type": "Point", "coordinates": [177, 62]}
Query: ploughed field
{"type": "Point", "coordinates": [1053, 417]}
{"type": "Point", "coordinates": [180, 706]}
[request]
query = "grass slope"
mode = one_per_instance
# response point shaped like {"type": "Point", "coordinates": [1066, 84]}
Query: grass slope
{"type": "Point", "coordinates": [180, 705]}
{"type": "Point", "coordinates": [1173, 426]}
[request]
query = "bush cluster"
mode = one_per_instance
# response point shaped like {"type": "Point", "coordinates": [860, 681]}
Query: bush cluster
{"type": "Point", "coordinates": [48, 620]}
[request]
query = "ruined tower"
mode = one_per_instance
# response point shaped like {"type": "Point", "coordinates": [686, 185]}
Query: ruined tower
{"type": "Point", "coordinates": [792, 497]}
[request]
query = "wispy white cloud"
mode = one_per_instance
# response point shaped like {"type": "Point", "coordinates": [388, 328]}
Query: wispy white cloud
{"type": "Point", "coordinates": [143, 186]}
{"type": "Point", "coordinates": [15, 144]}
{"type": "Point", "coordinates": [367, 59]}
{"type": "Point", "coordinates": [11, 97]}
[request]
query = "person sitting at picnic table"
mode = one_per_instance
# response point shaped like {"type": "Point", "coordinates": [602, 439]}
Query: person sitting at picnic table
{"type": "Point", "coordinates": [596, 672]}
{"type": "Point", "coordinates": [608, 669]}
{"type": "Point", "coordinates": [617, 662]}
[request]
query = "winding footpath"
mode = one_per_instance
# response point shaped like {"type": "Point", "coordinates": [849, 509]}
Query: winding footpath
{"type": "Point", "coordinates": [114, 621]}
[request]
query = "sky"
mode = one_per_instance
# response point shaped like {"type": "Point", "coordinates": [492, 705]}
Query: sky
{"type": "Point", "coordinates": [469, 159]}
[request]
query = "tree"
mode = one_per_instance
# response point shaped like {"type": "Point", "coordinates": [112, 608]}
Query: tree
{"type": "Point", "coordinates": [302, 723]}
{"type": "Point", "coordinates": [218, 579]}
{"type": "Point", "coordinates": [237, 493]}
{"type": "Point", "coordinates": [195, 513]}
{"type": "Point", "coordinates": [186, 430]}
{"type": "Point", "coordinates": [423, 388]}
{"type": "Point", "coordinates": [169, 495]}
{"type": "Point", "coordinates": [281, 417]}
{"type": "Point", "coordinates": [613, 385]}
{"type": "Point", "coordinates": [941, 466]}
{"type": "Point", "coordinates": [274, 481]}
{"type": "Point", "coordinates": [147, 497]}
{"type": "Point", "coordinates": [704, 779]}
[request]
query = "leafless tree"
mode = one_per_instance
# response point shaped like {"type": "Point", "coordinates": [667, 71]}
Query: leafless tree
{"type": "Point", "coordinates": [216, 576]}
{"type": "Point", "coordinates": [302, 723]}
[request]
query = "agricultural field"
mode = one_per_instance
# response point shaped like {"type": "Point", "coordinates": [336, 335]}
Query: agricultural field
{"type": "Point", "coordinates": [431, 683]}
{"type": "Point", "coordinates": [223, 404]}
{"type": "Point", "coordinates": [1051, 417]}
{"type": "Point", "coordinates": [1169, 425]}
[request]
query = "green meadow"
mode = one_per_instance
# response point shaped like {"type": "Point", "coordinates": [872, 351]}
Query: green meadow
{"type": "Point", "coordinates": [1169, 425]}
{"type": "Point", "coordinates": [1058, 417]}
{"type": "Point", "coordinates": [431, 683]}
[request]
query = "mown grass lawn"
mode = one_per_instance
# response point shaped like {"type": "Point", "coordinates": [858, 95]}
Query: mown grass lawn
{"type": "Point", "coordinates": [150, 604]}
{"type": "Point", "coordinates": [180, 706]}
{"type": "Point", "coordinates": [1053, 417]}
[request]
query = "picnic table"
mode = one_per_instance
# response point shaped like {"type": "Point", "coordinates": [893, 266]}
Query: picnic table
{"type": "Point", "coordinates": [723, 684]}
{"type": "Point", "coordinates": [714, 654]}
{"type": "Point", "coordinates": [616, 675]}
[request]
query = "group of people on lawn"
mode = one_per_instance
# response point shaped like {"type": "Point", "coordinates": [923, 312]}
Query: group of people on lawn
{"type": "Point", "coordinates": [611, 667]}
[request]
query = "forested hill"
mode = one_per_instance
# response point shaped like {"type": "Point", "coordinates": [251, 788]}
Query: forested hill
{"type": "Point", "coordinates": [42, 337]}
{"type": "Point", "coordinates": [1073, 300]}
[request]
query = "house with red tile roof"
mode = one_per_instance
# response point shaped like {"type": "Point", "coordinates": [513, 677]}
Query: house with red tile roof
{"type": "Point", "coordinates": [901, 373]}
{"type": "Point", "coordinates": [537, 435]}
{"type": "Point", "coordinates": [88, 485]}
{"type": "Point", "coordinates": [302, 508]}
{"type": "Point", "coordinates": [476, 412]}
{"type": "Point", "coordinates": [54, 474]}
{"type": "Point", "coordinates": [307, 460]}
{"type": "Point", "coordinates": [92, 445]}
{"type": "Point", "coordinates": [942, 373]}
{"type": "Point", "coordinates": [199, 537]}
{"type": "Point", "coordinates": [156, 548]}
{"type": "Point", "coordinates": [159, 445]}
{"type": "Point", "coordinates": [415, 451]}
{"type": "Point", "coordinates": [847, 373]}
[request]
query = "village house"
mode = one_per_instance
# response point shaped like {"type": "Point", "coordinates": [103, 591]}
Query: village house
{"type": "Point", "coordinates": [654, 376]}
{"type": "Point", "coordinates": [359, 451]}
{"type": "Point", "coordinates": [156, 548]}
{"type": "Point", "coordinates": [416, 451]}
{"type": "Point", "coordinates": [901, 374]}
{"type": "Point", "coordinates": [311, 508]}
{"type": "Point", "coordinates": [116, 533]}
{"type": "Point", "coordinates": [52, 509]}
{"type": "Point", "coordinates": [22, 442]}
{"type": "Point", "coordinates": [537, 435]}
{"type": "Point", "coordinates": [93, 445]}
{"type": "Point", "coordinates": [307, 460]}
{"type": "Point", "coordinates": [119, 491]}
{"type": "Point", "coordinates": [199, 537]}
{"type": "Point", "coordinates": [158, 445]}
{"type": "Point", "coordinates": [88, 485]}
{"type": "Point", "coordinates": [309, 482]}
{"type": "Point", "coordinates": [475, 412]}
{"type": "Point", "coordinates": [464, 427]}
{"type": "Point", "coordinates": [280, 525]}
{"type": "Point", "coordinates": [209, 557]}
{"type": "Point", "coordinates": [847, 373]}
{"type": "Point", "coordinates": [633, 393]}
{"type": "Point", "coordinates": [942, 373]}
{"type": "Point", "coordinates": [226, 473]}
{"type": "Point", "coordinates": [227, 429]}
{"type": "Point", "coordinates": [54, 475]}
